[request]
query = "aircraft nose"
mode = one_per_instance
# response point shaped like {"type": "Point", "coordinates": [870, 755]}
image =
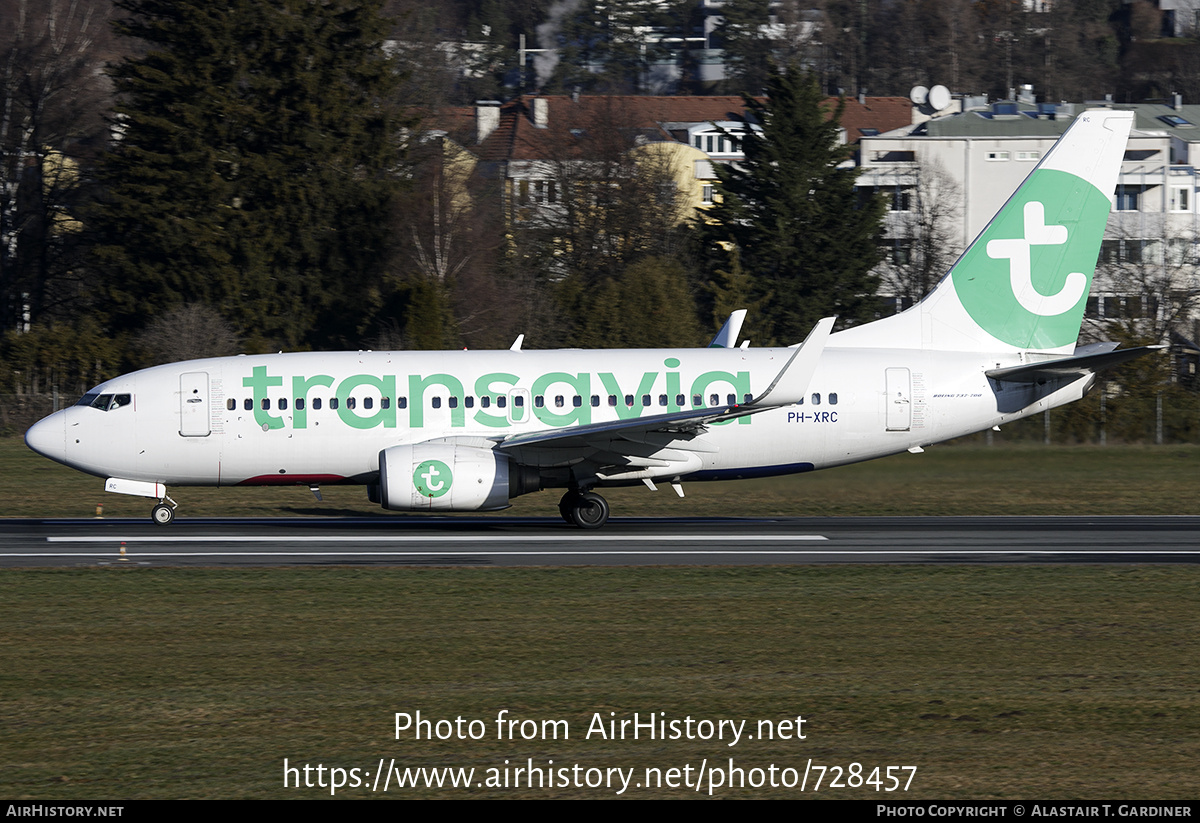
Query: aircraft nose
{"type": "Point", "coordinates": [48, 437]}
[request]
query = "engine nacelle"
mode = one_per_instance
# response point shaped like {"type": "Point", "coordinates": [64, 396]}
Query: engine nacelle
{"type": "Point", "coordinates": [443, 476]}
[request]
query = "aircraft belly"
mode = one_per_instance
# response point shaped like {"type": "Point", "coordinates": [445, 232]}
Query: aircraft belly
{"type": "Point", "coordinates": [284, 457]}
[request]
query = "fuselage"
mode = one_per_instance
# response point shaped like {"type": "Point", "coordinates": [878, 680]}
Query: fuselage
{"type": "Point", "coordinates": [309, 418]}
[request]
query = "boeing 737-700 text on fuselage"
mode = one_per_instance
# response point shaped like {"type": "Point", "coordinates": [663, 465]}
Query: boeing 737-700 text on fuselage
{"type": "Point", "coordinates": [995, 341]}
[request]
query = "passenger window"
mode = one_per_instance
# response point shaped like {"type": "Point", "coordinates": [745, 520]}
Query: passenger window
{"type": "Point", "coordinates": [595, 400]}
{"type": "Point", "coordinates": [816, 399]}
{"type": "Point", "coordinates": [645, 400]}
{"type": "Point", "coordinates": [265, 403]}
{"type": "Point", "coordinates": [248, 404]}
{"type": "Point", "coordinates": [731, 400]}
{"type": "Point", "coordinates": [469, 401]}
{"type": "Point", "coordinates": [452, 402]}
{"type": "Point", "coordinates": [231, 404]}
{"type": "Point", "coordinates": [558, 401]}
{"type": "Point", "coordinates": [368, 402]}
{"type": "Point", "coordinates": [662, 400]}
{"type": "Point", "coordinates": [629, 400]}
{"type": "Point", "coordinates": [746, 398]}
{"type": "Point", "coordinates": [316, 404]}
{"type": "Point", "coordinates": [283, 404]}
{"type": "Point", "coordinates": [333, 403]}
{"type": "Point", "coordinates": [833, 398]}
{"type": "Point", "coordinates": [519, 401]}
{"type": "Point", "coordinates": [539, 401]}
{"type": "Point", "coordinates": [299, 404]}
{"type": "Point", "coordinates": [485, 402]}
{"type": "Point", "coordinates": [697, 400]}
{"type": "Point", "coordinates": [714, 400]}
{"type": "Point", "coordinates": [402, 402]}
{"type": "Point", "coordinates": [612, 400]}
{"type": "Point", "coordinates": [577, 401]}
{"type": "Point", "coordinates": [385, 402]}
{"type": "Point", "coordinates": [680, 399]}
{"type": "Point", "coordinates": [436, 402]}
{"type": "Point", "coordinates": [351, 402]}
{"type": "Point", "coordinates": [502, 401]}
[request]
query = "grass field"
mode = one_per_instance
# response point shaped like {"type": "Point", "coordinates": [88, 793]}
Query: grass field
{"type": "Point", "coordinates": [994, 682]}
{"type": "Point", "coordinates": [1014, 682]}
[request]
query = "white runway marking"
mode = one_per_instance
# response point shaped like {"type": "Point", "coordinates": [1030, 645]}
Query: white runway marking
{"type": "Point", "coordinates": [682, 551]}
{"type": "Point", "coordinates": [433, 538]}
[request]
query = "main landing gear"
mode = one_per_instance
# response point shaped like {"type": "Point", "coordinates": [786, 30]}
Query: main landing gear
{"type": "Point", "coordinates": [587, 510]}
{"type": "Point", "coordinates": [162, 514]}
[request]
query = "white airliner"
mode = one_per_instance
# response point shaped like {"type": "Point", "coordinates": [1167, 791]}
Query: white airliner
{"type": "Point", "coordinates": [468, 431]}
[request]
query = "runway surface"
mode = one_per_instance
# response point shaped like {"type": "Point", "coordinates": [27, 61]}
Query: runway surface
{"type": "Point", "coordinates": [509, 541]}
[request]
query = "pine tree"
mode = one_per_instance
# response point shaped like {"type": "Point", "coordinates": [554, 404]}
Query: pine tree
{"type": "Point", "coordinates": [255, 165]}
{"type": "Point", "coordinates": [801, 228]}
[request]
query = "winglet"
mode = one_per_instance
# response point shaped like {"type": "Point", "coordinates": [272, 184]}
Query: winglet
{"type": "Point", "coordinates": [727, 337]}
{"type": "Point", "coordinates": [790, 385]}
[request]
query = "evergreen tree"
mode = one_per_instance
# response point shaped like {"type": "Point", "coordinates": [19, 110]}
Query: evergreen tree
{"type": "Point", "coordinates": [730, 290]}
{"type": "Point", "coordinates": [255, 165]}
{"type": "Point", "coordinates": [647, 305]}
{"type": "Point", "coordinates": [801, 228]}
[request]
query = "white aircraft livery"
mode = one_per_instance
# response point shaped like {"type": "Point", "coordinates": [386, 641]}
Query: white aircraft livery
{"type": "Point", "coordinates": [995, 341]}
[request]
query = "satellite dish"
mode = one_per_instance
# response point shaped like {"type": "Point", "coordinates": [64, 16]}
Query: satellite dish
{"type": "Point", "coordinates": [918, 95]}
{"type": "Point", "coordinates": [939, 98]}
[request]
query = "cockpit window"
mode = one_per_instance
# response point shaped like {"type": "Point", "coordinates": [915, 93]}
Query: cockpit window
{"type": "Point", "coordinates": [105, 402]}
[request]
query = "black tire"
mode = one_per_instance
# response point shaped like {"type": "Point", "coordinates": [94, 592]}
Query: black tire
{"type": "Point", "coordinates": [567, 505]}
{"type": "Point", "coordinates": [162, 514]}
{"type": "Point", "coordinates": [590, 511]}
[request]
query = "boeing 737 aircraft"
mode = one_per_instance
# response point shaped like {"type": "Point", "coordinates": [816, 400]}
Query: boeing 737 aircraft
{"type": "Point", "coordinates": [995, 341]}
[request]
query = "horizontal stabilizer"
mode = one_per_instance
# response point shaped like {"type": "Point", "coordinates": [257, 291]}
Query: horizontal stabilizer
{"type": "Point", "coordinates": [1066, 367]}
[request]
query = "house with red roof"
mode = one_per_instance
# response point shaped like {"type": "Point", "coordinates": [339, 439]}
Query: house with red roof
{"type": "Point", "coordinates": [524, 143]}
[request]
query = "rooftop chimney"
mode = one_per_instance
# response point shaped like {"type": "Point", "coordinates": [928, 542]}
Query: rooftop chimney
{"type": "Point", "coordinates": [541, 112]}
{"type": "Point", "coordinates": [487, 118]}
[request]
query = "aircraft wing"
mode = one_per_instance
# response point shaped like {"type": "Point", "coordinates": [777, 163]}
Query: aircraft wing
{"type": "Point", "coordinates": [1066, 367]}
{"type": "Point", "coordinates": [692, 421]}
{"type": "Point", "coordinates": [788, 387]}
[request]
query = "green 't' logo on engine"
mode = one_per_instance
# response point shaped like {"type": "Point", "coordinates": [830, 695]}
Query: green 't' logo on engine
{"type": "Point", "coordinates": [432, 478]}
{"type": "Point", "coordinates": [1025, 280]}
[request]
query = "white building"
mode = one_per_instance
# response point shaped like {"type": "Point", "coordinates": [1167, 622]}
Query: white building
{"type": "Point", "coordinates": [979, 157]}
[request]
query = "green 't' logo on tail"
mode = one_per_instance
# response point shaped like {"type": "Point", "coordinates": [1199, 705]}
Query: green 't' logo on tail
{"type": "Point", "coordinates": [1025, 280]}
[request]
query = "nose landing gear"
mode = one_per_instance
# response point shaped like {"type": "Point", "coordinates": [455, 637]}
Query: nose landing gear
{"type": "Point", "coordinates": [162, 514]}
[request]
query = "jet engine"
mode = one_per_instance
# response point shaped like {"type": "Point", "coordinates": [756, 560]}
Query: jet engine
{"type": "Point", "coordinates": [450, 476]}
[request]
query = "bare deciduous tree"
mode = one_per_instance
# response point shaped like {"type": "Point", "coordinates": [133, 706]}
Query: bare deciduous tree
{"type": "Point", "coordinates": [921, 241]}
{"type": "Point", "coordinates": [52, 99]}
{"type": "Point", "coordinates": [188, 333]}
{"type": "Point", "coordinates": [1148, 277]}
